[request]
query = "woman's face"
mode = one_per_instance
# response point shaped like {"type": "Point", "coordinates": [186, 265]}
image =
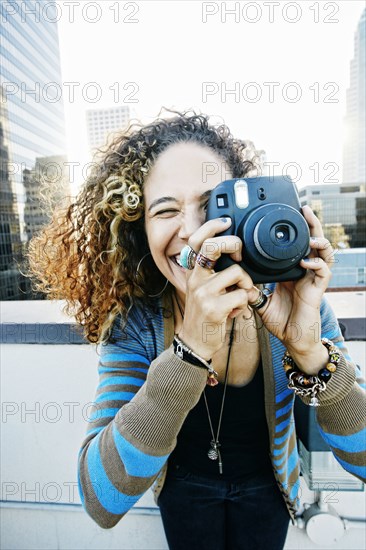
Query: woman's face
{"type": "Point", "coordinates": [176, 193]}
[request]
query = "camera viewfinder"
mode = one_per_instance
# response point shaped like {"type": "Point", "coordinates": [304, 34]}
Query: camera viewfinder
{"type": "Point", "coordinates": [221, 201]}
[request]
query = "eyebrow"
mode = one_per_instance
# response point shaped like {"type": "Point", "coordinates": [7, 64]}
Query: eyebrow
{"type": "Point", "coordinates": [159, 201]}
{"type": "Point", "coordinates": [204, 196]}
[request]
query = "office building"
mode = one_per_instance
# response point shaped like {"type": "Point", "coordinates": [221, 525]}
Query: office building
{"type": "Point", "coordinates": [341, 208]}
{"type": "Point", "coordinates": [101, 123]}
{"type": "Point", "coordinates": [354, 149]}
{"type": "Point", "coordinates": [46, 185]}
{"type": "Point", "coordinates": [349, 269]}
{"type": "Point", "coordinates": [10, 241]}
{"type": "Point", "coordinates": [31, 124]}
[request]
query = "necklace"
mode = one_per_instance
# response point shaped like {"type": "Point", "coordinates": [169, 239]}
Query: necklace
{"type": "Point", "coordinates": [214, 450]}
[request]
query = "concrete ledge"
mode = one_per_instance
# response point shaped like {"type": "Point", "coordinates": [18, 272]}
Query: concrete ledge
{"type": "Point", "coordinates": [41, 333]}
{"type": "Point", "coordinates": [71, 333]}
{"type": "Point", "coordinates": [44, 321]}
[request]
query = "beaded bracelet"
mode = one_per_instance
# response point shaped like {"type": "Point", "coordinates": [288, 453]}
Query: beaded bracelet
{"type": "Point", "coordinates": [304, 385]}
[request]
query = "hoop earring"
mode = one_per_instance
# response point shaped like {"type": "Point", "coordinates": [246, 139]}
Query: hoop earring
{"type": "Point", "coordinates": [137, 270]}
{"type": "Point", "coordinates": [159, 293]}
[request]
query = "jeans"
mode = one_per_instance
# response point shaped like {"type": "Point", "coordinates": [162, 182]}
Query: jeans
{"type": "Point", "coordinates": [202, 513]}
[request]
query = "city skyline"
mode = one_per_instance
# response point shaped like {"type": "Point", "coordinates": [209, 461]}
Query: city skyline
{"type": "Point", "coordinates": [293, 109]}
{"type": "Point", "coordinates": [161, 65]}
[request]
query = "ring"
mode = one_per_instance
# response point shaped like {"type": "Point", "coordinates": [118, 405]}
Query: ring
{"type": "Point", "coordinates": [262, 299]}
{"type": "Point", "coordinates": [205, 262]}
{"type": "Point", "coordinates": [187, 257]}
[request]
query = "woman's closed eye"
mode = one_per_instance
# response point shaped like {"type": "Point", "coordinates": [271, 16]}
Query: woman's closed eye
{"type": "Point", "coordinates": [204, 205]}
{"type": "Point", "coordinates": [166, 212]}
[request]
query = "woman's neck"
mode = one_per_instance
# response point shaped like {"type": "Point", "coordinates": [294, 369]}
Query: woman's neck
{"type": "Point", "coordinates": [180, 300]}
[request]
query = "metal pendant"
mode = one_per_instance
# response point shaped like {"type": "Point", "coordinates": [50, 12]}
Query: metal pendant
{"type": "Point", "coordinates": [314, 402]}
{"type": "Point", "coordinates": [213, 453]}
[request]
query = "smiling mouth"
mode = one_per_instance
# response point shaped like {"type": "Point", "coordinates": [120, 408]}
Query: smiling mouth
{"type": "Point", "coordinates": [176, 260]}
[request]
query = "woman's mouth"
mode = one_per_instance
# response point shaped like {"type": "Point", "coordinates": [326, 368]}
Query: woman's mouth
{"type": "Point", "coordinates": [176, 260]}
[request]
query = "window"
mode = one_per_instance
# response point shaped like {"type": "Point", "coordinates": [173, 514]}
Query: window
{"type": "Point", "coordinates": [350, 189]}
{"type": "Point", "coordinates": [361, 275]}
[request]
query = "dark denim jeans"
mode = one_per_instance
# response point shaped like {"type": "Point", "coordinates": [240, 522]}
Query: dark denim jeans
{"type": "Point", "coordinates": [202, 513]}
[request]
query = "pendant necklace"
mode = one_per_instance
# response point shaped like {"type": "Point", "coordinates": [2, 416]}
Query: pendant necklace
{"type": "Point", "coordinates": [214, 451]}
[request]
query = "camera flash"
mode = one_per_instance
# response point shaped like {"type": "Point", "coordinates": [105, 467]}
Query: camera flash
{"type": "Point", "coordinates": [241, 193]}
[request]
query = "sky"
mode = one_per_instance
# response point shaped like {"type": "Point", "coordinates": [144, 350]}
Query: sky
{"type": "Point", "coordinates": [275, 72]}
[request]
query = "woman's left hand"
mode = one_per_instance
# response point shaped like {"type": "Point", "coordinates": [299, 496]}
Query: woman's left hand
{"type": "Point", "coordinates": [292, 313]}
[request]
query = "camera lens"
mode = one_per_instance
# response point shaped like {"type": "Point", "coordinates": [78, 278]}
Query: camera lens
{"type": "Point", "coordinates": [276, 237]}
{"type": "Point", "coordinates": [282, 233]}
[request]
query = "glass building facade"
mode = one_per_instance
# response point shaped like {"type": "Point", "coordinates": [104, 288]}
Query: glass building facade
{"type": "Point", "coordinates": [101, 123]}
{"type": "Point", "coordinates": [31, 128]}
{"type": "Point", "coordinates": [342, 212]}
{"type": "Point", "coordinates": [341, 208]}
{"type": "Point", "coordinates": [354, 151]}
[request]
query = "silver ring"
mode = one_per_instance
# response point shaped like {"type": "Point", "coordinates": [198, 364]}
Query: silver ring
{"type": "Point", "coordinates": [205, 262]}
{"type": "Point", "coordinates": [187, 257]}
{"type": "Point", "coordinates": [262, 299]}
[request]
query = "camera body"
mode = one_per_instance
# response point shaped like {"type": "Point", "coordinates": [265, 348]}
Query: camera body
{"type": "Point", "coordinates": [266, 215]}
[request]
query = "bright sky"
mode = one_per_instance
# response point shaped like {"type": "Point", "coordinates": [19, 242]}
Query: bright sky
{"type": "Point", "coordinates": [288, 63]}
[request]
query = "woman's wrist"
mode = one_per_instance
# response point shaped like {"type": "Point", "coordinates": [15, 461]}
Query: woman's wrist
{"type": "Point", "coordinates": [306, 384]}
{"type": "Point", "coordinates": [182, 350]}
{"type": "Point", "coordinates": [185, 353]}
{"type": "Point", "coordinates": [195, 346]}
{"type": "Point", "coordinates": [311, 361]}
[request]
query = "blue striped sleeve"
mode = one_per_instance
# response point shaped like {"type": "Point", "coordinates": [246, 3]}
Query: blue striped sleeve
{"type": "Point", "coordinates": [112, 472]}
{"type": "Point", "coordinates": [110, 498]}
{"type": "Point", "coordinates": [353, 443]}
{"type": "Point", "coordinates": [135, 461]}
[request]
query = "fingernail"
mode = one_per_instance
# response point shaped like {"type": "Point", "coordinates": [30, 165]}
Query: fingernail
{"type": "Point", "coordinates": [314, 239]}
{"type": "Point", "coordinates": [225, 220]}
{"type": "Point", "coordinates": [307, 259]}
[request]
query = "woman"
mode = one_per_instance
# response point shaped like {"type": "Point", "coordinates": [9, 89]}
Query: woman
{"type": "Point", "coordinates": [205, 415]}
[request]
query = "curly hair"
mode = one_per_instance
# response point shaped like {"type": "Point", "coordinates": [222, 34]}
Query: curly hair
{"type": "Point", "coordinates": [89, 253]}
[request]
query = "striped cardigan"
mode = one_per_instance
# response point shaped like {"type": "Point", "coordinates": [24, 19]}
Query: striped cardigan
{"type": "Point", "coordinates": [145, 393]}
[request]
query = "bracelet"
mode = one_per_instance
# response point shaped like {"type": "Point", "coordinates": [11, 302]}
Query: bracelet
{"type": "Point", "coordinates": [304, 385]}
{"type": "Point", "coordinates": [185, 353]}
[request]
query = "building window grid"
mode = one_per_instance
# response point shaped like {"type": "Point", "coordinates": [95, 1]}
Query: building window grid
{"type": "Point", "coordinates": [17, 40]}
{"type": "Point", "coordinates": [33, 41]}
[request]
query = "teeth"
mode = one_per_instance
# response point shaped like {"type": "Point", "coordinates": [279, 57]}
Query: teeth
{"type": "Point", "coordinates": [176, 260]}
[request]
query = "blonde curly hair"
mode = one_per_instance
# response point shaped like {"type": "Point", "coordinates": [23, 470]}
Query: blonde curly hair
{"type": "Point", "coordinates": [89, 253]}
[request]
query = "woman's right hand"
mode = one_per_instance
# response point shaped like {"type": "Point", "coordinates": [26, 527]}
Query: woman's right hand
{"type": "Point", "coordinates": [212, 298]}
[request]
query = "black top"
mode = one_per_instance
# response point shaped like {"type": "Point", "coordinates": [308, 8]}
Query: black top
{"type": "Point", "coordinates": [243, 434]}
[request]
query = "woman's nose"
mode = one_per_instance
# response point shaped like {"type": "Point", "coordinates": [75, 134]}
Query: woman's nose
{"type": "Point", "coordinates": [190, 222]}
